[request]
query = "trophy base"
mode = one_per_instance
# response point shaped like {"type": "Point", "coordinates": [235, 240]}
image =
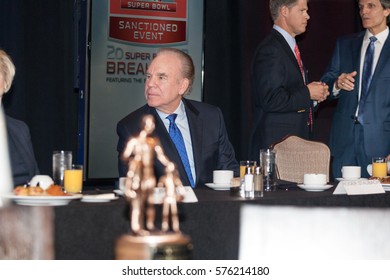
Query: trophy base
{"type": "Point", "coordinates": [157, 246]}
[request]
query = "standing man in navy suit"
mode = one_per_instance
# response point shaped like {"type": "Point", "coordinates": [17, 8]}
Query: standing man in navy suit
{"type": "Point", "coordinates": [282, 96]}
{"type": "Point", "coordinates": [169, 78]}
{"type": "Point", "coordinates": [361, 125]}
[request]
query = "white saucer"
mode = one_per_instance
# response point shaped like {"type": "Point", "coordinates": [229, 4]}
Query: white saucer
{"type": "Point", "coordinates": [218, 187]}
{"type": "Point", "coordinates": [314, 188]}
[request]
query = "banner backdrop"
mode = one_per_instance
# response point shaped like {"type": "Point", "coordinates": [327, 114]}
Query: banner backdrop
{"type": "Point", "coordinates": [125, 35]}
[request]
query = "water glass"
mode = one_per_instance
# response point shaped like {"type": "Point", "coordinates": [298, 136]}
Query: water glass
{"type": "Point", "coordinates": [268, 167]}
{"type": "Point", "coordinates": [61, 160]}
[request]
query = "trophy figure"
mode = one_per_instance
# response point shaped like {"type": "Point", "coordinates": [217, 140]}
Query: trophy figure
{"type": "Point", "coordinates": [146, 241]}
{"type": "Point", "coordinates": [173, 192]}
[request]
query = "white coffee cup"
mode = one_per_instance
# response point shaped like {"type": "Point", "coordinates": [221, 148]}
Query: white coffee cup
{"type": "Point", "coordinates": [314, 179]}
{"type": "Point", "coordinates": [351, 172]}
{"type": "Point", "coordinates": [122, 183]}
{"type": "Point", "coordinates": [222, 177]}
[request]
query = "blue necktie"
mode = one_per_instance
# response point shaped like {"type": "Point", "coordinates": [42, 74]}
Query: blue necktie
{"type": "Point", "coordinates": [177, 138]}
{"type": "Point", "coordinates": [366, 77]}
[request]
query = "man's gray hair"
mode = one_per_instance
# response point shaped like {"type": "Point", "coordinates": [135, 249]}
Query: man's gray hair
{"type": "Point", "coordinates": [275, 5]}
{"type": "Point", "coordinates": [187, 65]}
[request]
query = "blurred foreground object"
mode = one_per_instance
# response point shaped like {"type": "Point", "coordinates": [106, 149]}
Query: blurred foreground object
{"type": "Point", "coordinates": [26, 233]}
{"type": "Point", "coordinates": [6, 182]}
{"type": "Point", "coordinates": [145, 241]}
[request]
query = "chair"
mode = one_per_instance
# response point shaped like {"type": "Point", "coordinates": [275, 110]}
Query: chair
{"type": "Point", "coordinates": [296, 156]}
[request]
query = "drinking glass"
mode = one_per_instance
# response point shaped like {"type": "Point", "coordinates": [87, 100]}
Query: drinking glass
{"type": "Point", "coordinates": [379, 167]}
{"type": "Point", "coordinates": [247, 163]}
{"type": "Point", "coordinates": [61, 160]}
{"type": "Point", "coordinates": [268, 166]}
{"type": "Point", "coordinates": [73, 179]}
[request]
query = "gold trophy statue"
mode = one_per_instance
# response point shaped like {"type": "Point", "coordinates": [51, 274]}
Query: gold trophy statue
{"type": "Point", "coordinates": [145, 241]}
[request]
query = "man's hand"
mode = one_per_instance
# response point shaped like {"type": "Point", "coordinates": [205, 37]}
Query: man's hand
{"type": "Point", "coordinates": [346, 81]}
{"type": "Point", "coordinates": [318, 91]}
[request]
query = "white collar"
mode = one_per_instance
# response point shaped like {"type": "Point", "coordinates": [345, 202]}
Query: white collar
{"type": "Point", "coordinates": [381, 36]}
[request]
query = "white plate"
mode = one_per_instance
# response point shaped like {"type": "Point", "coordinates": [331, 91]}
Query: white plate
{"type": "Point", "coordinates": [315, 188]}
{"type": "Point", "coordinates": [118, 192]}
{"type": "Point", "coordinates": [42, 200]}
{"type": "Point", "coordinates": [342, 179]}
{"type": "Point", "coordinates": [99, 198]}
{"type": "Point", "coordinates": [386, 187]}
{"type": "Point", "coordinates": [218, 187]}
{"type": "Point", "coordinates": [189, 195]}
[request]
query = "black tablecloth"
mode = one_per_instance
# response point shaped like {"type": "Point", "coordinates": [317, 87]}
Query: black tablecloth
{"type": "Point", "coordinates": [89, 230]}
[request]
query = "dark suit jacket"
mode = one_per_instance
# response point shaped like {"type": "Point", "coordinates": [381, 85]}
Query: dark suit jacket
{"type": "Point", "coordinates": [211, 146]}
{"type": "Point", "coordinates": [346, 58]}
{"type": "Point", "coordinates": [23, 163]}
{"type": "Point", "coordinates": [281, 99]}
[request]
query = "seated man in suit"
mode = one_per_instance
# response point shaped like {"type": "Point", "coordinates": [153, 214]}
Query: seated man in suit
{"type": "Point", "coordinates": [23, 163]}
{"type": "Point", "coordinates": [201, 126]}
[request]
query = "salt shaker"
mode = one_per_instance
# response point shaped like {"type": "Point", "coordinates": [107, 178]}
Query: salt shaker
{"type": "Point", "coordinates": [248, 183]}
{"type": "Point", "coordinates": [258, 183]}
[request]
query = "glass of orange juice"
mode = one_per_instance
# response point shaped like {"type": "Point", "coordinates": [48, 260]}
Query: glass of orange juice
{"type": "Point", "coordinates": [379, 167]}
{"type": "Point", "coordinates": [73, 179]}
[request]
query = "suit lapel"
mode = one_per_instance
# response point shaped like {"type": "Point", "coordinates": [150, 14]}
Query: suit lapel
{"type": "Point", "coordinates": [287, 49]}
{"type": "Point", "coordinates": [356, 46]}
{"type": "Point", "coordinates": [382, 61]}
{"type": "Point", "coordinates": [196, 129]}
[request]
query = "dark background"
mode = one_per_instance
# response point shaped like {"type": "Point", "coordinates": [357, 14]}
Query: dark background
{"type": "Point", "coordinates": [39, 36]}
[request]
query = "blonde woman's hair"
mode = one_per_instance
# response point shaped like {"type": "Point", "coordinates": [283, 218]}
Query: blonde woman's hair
{"type": "Point", "coordinates": [7, 70]}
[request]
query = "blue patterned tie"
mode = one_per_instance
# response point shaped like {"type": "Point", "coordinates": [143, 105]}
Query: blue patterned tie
{"type": "Point", "coordinates": [366, 77]}
{"type": "Point", "coordinates": [177, 138]}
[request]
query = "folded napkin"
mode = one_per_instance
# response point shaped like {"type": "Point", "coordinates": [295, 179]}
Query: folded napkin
{"type": "Point", "coordinates": [100, 196]}
{"type": "Point", "coordinates": [359, 187]}
{"type": "Point", "coordinates": [44, 181]}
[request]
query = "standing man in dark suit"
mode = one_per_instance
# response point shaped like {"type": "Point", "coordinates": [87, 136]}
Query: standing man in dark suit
{"type": "Point", "coordinates": [361, 122]}
{"type": "Point", "coordinates": [282, 97]}
{"type": "Point", "coordinates": [169, 78]}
